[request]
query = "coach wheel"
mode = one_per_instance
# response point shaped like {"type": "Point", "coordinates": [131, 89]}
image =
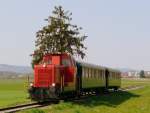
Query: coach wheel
{"type": "Point", "coordinates": [116, 89]}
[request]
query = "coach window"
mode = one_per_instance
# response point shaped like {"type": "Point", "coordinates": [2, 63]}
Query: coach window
{"type": "Point", "coordinates": [90, 72]}
{"type": "Point", "coordinates": [117, 75]}
{"type": "Point", "coordinates": [95, 73]}
{"type": "Point", "coordinates": [113, 77]}
{"type": "Point", "coordinates": [100, 76]}
{"type": "Point", "coordinates": [98, 73]}
{"type": "Point", "coordinates": [103, 74]}
{"type": "Point", "coordinates": [85, 72]}
{"type": "Point", "coordinates": [110, 75]}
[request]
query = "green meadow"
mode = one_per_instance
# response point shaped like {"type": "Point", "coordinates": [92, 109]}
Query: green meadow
{"type": "Point", "coordinates": [13, 92]}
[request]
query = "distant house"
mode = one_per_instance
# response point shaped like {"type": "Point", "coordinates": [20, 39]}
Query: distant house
{"type": "Point", "coordinates": [134, 74]}
{"type": "Point", "coordinates": [147, 74]}
{"type": "Point", "coordinates": [124, 75]}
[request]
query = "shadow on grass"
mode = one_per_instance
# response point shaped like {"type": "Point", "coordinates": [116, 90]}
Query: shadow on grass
{"type": "Point", "coordinates": [111, 99]}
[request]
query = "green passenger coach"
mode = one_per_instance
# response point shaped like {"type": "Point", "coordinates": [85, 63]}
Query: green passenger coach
{"type": "Point", "coordinates": [97, 78]}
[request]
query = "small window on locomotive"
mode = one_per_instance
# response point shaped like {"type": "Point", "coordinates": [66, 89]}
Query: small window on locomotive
{"type": "Point", "coordinates": [47, 62]}
{"type": "Point", "coordinates": [66, 62]}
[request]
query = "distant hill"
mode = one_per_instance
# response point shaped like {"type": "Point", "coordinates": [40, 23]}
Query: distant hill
{"type": "Point", "coordinates": [126, 69]}
{"type": "Point", "coordinates": [15, 69]}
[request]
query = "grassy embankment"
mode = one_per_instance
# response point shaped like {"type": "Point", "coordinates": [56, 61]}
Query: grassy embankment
{"type": "Point", "coordinates": [12, 92]}
{"type": "Point", "coordinates": [136, 101]}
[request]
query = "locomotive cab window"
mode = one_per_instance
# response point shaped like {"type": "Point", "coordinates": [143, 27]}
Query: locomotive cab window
{"type": "Point", "coordinates": [66, 62]}
{"type": "Point", "coordinates": [46, 61]}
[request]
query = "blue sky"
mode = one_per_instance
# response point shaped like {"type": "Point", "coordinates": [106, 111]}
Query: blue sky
{"type": "Point", "coordinates": [118, 30]}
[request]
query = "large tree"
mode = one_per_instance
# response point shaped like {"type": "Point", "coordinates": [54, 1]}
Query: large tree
{"type": "Point", "coordinates": [59, 36]}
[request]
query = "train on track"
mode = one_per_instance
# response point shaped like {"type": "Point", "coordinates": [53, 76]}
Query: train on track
{"type": "Point", "coordinates": [60, 76]}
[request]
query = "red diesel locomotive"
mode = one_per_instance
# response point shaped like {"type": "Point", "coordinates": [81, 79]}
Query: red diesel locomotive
{"type": "Point", "coordinates": [59, 76]}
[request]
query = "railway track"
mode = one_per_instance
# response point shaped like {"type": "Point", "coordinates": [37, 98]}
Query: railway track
{"type": "Point", "coordinates": [26, 106]}
{"type": "Point", "coordinates": [43, 104]}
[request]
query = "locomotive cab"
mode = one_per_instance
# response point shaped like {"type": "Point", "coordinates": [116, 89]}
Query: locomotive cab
{"type": "Point", "coordinates": [54, 75]}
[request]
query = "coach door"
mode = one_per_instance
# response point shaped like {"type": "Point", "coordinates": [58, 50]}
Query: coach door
{"type": "Point", "coordinates": [79, 79]}
{"type": "Point", "coordinates": [106, 78]}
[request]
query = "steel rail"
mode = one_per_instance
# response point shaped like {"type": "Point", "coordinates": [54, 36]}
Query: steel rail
{"type": "Point", "coordinates": [14, 109]}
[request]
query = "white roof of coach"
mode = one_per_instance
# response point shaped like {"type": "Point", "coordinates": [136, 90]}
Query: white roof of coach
{"type": "Point", "coordinates": [97, 66]}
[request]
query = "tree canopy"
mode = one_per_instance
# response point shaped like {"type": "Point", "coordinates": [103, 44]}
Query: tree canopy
{"type": "Point", "coordinates": [59, 36]}
{"type": "Point", "coordinates": [142, 74]}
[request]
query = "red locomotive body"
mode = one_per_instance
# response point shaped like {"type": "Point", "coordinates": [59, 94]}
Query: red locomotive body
{"type": "Point", "coordinates": [52, 76]}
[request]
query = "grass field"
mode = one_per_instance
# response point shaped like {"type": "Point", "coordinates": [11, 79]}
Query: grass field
{"type": "Point", "coordinates": [12, 92]}
{"type": "Point", "coordinates": [136, 101]}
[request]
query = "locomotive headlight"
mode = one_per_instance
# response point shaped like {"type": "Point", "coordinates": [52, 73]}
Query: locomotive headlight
{"type": "Point", "coordinates": [31, 84]}
{"type": "Point", "coordinates": [53, 84]}
{"type": "Point", "coordinates": [44, 65]}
